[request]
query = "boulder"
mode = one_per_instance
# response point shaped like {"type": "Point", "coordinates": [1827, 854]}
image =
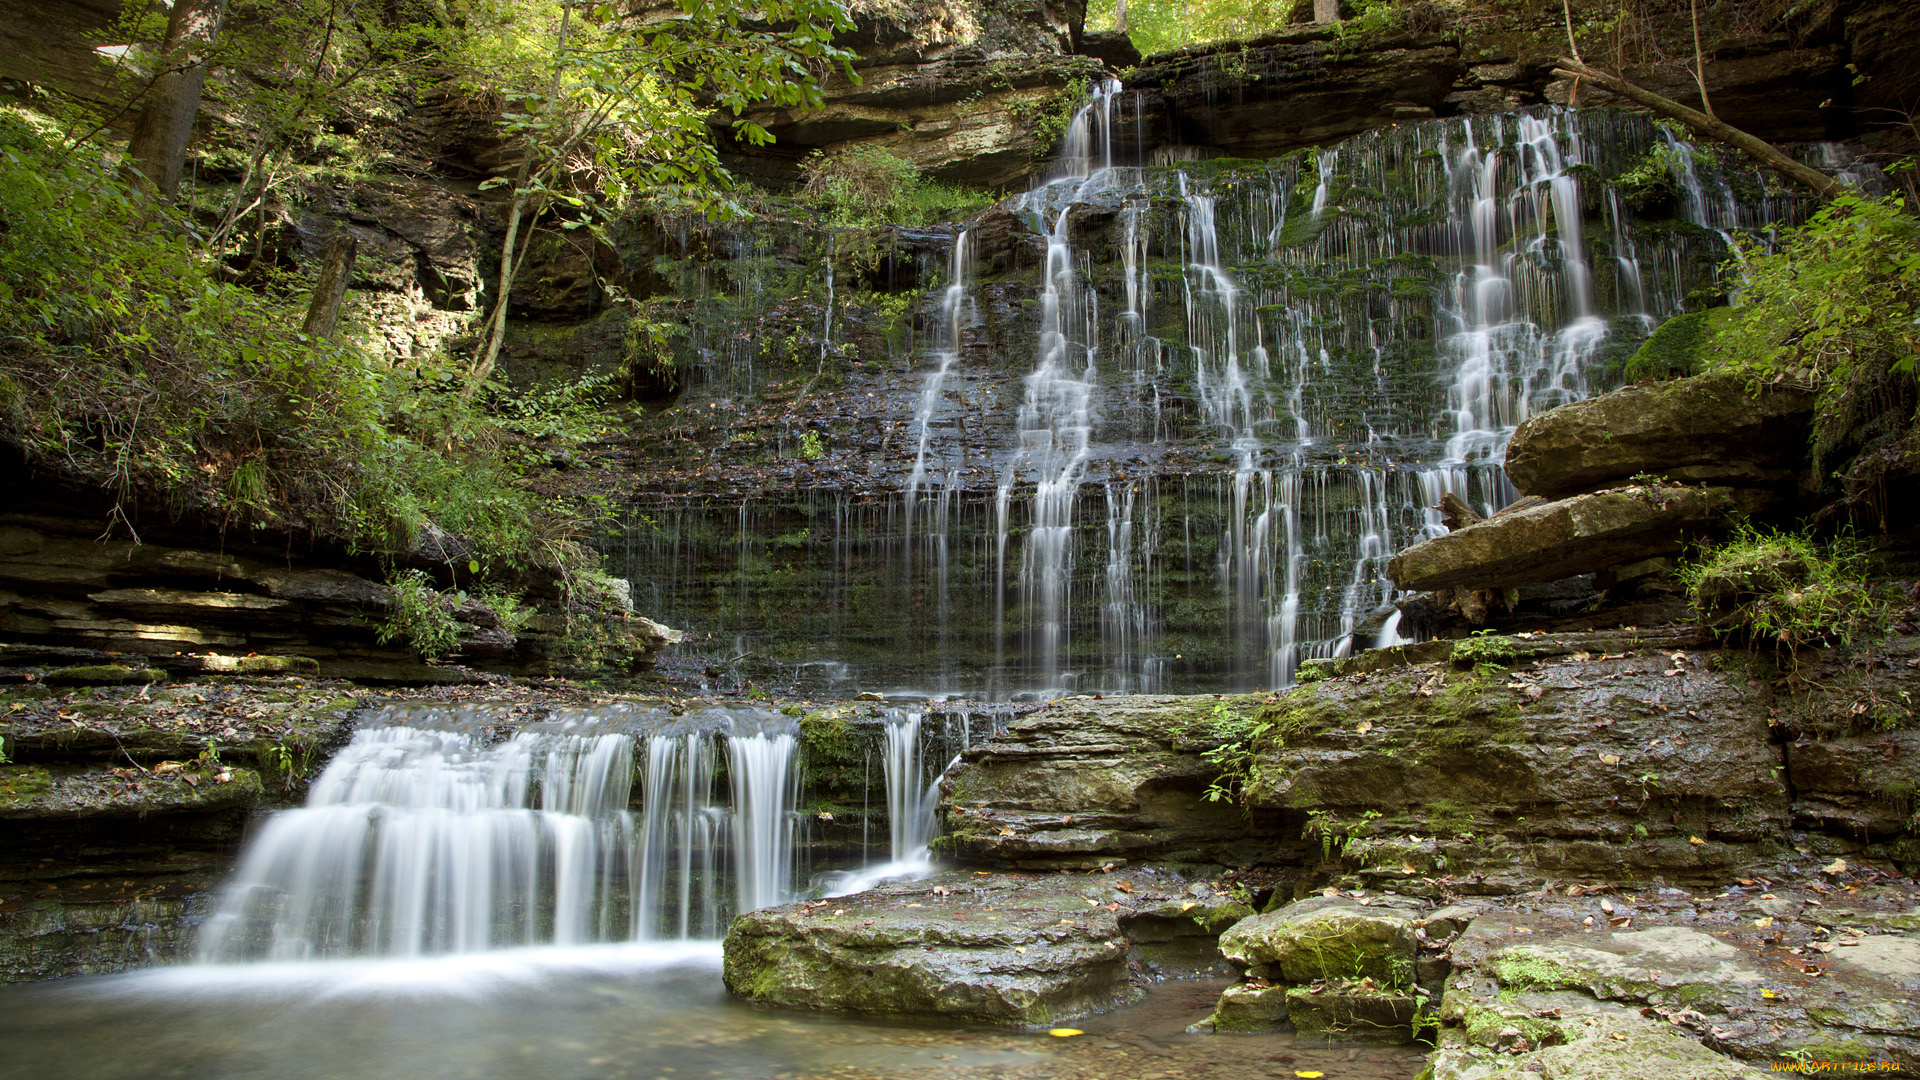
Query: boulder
{"type": "Point", "coordinates": [1248, 1008]}
{"type": "Point", "coordinates": [1706, 429]}
{"type": "Point", "coordinates": [1577, 535]}
{"type": "Point", "coordinates": [991, 949]}
{"type": "Point", "coordinates": [1352, 1013]}
{"type": "Point", "coordinates": [1327, 938]}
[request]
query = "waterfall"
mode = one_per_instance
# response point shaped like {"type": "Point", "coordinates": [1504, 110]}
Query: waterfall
{"type": "Point", "coordinates": [421, 840]}
{"type": "Point", "coordinates": [1250, 385]}
{"type": "Point", "coordinates": [910, 820]}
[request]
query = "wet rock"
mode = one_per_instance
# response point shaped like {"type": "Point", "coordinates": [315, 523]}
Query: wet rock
{"type": "Point", "coordinates": [993, 949]}
{"type": "Point", "coordinates": [1350, 1013]}
{"type": "Point", "coordinates": [1490, 777]}
{"type": "Point", "coordinates": [1246, 1008]}
{"type": "Point", "coordinates": [1325, 938]}
{"type": "Point", "coordinates": [1571, 536]}
{"type": "Point", "coordinates": [1707, 429]}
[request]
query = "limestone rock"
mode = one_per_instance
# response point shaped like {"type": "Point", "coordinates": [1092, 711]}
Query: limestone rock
{"type": "Point", "coordinates": [1612, 767]}
{"type": "Point", "coordinates": [1086, 781]}
{"type": "Point", "coordinates": [984, 949]}
{"type": "Point", "coordinates": [1245, 1008]}
{"type": "Point", "coordinates": [1546, 991]}
{"type": "Point", "coordinates": [1327, 938]}
{"type": "Point", "coordinates": [1708, 429]}
{"type": "Point", "coordinates": [1570, 536]}
{"type": "Point", "coordinates": [1351, 1014]}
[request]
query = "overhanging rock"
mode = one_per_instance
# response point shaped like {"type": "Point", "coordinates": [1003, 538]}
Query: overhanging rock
{"type": "Point", "coordinates": [1572, 536]}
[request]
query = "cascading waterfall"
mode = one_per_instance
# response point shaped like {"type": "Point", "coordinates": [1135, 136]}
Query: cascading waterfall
{"type": "Point", "coordinates": [422, 837]}
{"type": "Point", "coordinates": [1251, 385]}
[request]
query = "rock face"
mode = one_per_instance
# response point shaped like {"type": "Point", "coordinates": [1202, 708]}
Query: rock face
{"type": "Point", "coordinates": [995, 949]}
{"type": "Point", "coordinates": [1084, 782]}
{"type": "Point", "coordinates": [954, 88]}
{"type": "Point", "coordinates": [1486, 765]}
{"type": "Point", "coordinates": [1578, 535]}
{"type": "Point", "coordinates": [1706, 429]}
{"type": "Point", "coordinates": [76, 604]}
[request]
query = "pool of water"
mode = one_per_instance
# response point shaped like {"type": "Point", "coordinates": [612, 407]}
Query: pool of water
{"type": "Point", "coordinates": [645, 1012]}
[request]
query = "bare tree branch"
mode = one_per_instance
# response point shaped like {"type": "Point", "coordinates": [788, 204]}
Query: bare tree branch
{"type": "Point", "coordinates": [1759, 149]}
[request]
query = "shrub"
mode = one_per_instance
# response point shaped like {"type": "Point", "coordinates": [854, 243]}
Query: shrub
{"type": "Point", "coordinates": [867, 186]}
{"type": "Point", "coordinates": [1832, 307]}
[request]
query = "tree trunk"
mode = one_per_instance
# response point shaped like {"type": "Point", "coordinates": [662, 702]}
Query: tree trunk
{"type": "Point", "coordinates": [1328, 10]}
{"type": "Point", "coordinates": [336, 267]}
{"type": "Point", "coordinates": [1758, 149]}
{"type": "Point", "coordinates": [159, 145]}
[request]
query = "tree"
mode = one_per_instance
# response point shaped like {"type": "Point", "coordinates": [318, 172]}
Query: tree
{"type": "Point", "coordinates": [160, 134]}
{"type": "Point", "coordinates": [617, 104]}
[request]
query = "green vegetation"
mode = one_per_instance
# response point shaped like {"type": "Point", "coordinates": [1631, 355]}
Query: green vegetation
{"type": "Point", "coordinates": [867, 187]}
{"type": "Point", "coordinates": [420, 615]}
{"type": "Point", "coordinates": [1676, 348]}
{"type": "Point", "coordinates": [1785, 588]}
{"type": "Point", "coordinates": [1157, 26]}
{"type": "Point", "coordinates": [1831, 306]}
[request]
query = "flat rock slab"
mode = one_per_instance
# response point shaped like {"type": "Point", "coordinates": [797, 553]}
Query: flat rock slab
{"type": "Point", "coordinates": [1709, 1002]}
{"type": "Point", "coordinates": [1570, 536]}
{"type": "Point", "coordinates": [1708, 428]}
{"type": "Point", "coordinates": [983, 948]}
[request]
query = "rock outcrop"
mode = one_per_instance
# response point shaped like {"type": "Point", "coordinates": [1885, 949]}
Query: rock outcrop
{"type": "Point", "coordinates": [1709, 429]}
{"type": "Point", "coordinates": [995, 949]}
{"type": "Point", "coordinates": [1566, 995]}
{"type": "Point", "coordinates": [1481, 766]}
{"type": "Point", "coordinates": [1577, 535]}
{"type": "Point", "coordinates": [1622, 478]}
{"type": "Point", "coordinates": [1086, 782]}
{"type": "Point", "coordinates": [71, 600]}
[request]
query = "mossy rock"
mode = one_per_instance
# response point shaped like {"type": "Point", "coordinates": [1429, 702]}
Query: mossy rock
{"type": "Point", "coordinates": [1351, 1013]}
{"type": "Point", "coordinates": [1327, 938]}
{"type": "Point", "coordinates": [1248, 1009]}
{"type": "Point", "coordinates": [1678, 348]}
{"type": "Point", "coordinates": [103, 675]}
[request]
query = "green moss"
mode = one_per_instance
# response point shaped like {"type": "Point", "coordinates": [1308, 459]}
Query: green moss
{"type": "Point", "coordinates": [1676, 348]}
{"type": "Point", "coordinates": [1519, 969]}
{"type": "Point", "coordinates": [22, 784]}
{"type": "Point", "coordinates": [1481, 649]}
{"type": "Point", "coordinates": [102, 675]}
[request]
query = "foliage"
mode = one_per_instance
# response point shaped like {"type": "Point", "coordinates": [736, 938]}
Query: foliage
{"type": "Point", "coordinates": [420, 615]}
{"type": "Point", "coordinates": [866, 186]}
{"type": "Point", "coordinates": [1785, 588]}
{"type": "Point", "coordinates": [1832, 306]}
{"type": "Point", "coordinates": [1655, 178]}
{"type": "Point", "coordinates": [130, 362]}
{"type": "Point", "coordinates": [1157, 26]}
{"type": "Point", "coordinates": [1052, 118]}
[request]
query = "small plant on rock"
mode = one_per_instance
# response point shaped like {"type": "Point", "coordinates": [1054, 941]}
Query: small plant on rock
{"type": "Point", "coordinates": [1785, 588]}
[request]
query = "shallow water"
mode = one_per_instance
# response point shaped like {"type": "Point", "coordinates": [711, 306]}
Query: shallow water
{"type": "Point", "coordinates": [646, 1012]}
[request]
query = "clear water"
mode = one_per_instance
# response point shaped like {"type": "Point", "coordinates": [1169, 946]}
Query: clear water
{"type": "Point", "coordinates": [634, 1012]}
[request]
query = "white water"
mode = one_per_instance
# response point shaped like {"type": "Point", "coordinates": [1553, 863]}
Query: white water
{"type": "Point", "coordinates": [421, 838]}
